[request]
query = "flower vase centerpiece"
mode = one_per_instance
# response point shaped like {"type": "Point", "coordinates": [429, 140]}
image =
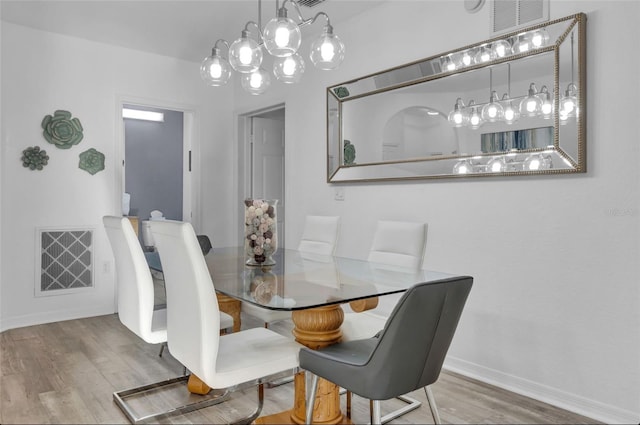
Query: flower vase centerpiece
{"type": "Point", "coordinates": [260, 227]}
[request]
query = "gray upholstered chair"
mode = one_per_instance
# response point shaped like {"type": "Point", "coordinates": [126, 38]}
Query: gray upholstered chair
{"type": "Point", "coordinates": [406, 355]}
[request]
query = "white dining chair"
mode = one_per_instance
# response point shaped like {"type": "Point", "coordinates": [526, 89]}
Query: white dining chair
{"type": "Point", "coordinates": [318, 237]}
{"type": "Point", "coordinates": [395, 244]}
{"type": "Point", "coordinates": [136, 296]}
{"type": "Point", "coordinates": [230, 362]}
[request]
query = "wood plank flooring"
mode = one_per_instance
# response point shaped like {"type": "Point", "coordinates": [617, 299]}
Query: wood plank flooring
{"type": "Point", "coordinates": [66, 372]}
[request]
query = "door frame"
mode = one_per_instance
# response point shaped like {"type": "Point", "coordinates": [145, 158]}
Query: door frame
{"type": "Point", "coordinates": [244, 153]}
{"type": "Point", "coordinates": [190, 146]}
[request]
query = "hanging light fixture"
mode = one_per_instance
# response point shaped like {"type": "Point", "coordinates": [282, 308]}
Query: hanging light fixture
{"type": "Point", "coordinates": [281, 38]}
{"type": "Point", "coordinates": [485, 54]}
{"type": "Point", "coordinates": [289, 69]}
{"type": "Point", "coordinates": [530, 106]}
{"type": "Point", "coordinates": [569, 102]}
{"type": "Point", "coordinates": [501, 48]}
{"type": "Point", "coordinates": [245, 55]}
{"type": "Point", "coordinates": [256, 82]}
{"type": "Point", "coordinates": [327, 51]}
{"type": "Point", "coordinates": [546, 108]}
{"type": "Point", "coordinates": [475, 119]}
{"type": "Point", "coordinates": [510, 114]}
{"type": "Point", "coordinates": [215, 69]}
{"type": "Point", "coordinates": [458, 117]}
{"type": "Point", "coordinates": [281, 35]}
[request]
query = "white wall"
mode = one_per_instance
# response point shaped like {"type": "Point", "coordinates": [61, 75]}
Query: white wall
{"type": "Point", "coordinates": [43, 72]}
{"type": "Point", "coordinates": [554, 309]}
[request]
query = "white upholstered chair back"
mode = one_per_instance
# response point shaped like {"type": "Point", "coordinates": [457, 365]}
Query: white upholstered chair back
{"type": "Point", "coordinates": [135, 284]}
{"type": "Point", "coordinates": [193, 317]}
{"type": "Point", "coordinates": [319, 235]}
{"type": "Point", "coordinates": [398, 243]}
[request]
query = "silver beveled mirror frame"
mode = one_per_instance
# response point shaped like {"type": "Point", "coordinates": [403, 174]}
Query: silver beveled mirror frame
{"type": "Point", "coordinates": [576, 165]}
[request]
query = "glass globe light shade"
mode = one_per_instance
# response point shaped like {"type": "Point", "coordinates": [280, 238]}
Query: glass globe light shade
{"type": "Point", "coordinates": [546, 108]}
{"type": "Point", "coordinates": [458, 117]}
{"type": "Point", "coordinates": [215, 70]}
{"type": "Point", "coordinates": [462, 167]}
{"type": "Point", "coordinates": [256, 82]}
{"type": "Point", "coordinates": [569, 103]}
{"type": "Point", "coordinates": [522, 45]}
{"type": "Point", "coordinates": [539, 38]}
{"type": "Point", "coordinates": [501, 48]}
{"type": "Point", "coordinates": [511, 114]}
{"type": "Point", "coordinates": [497, 165]}
{"type": "Point", "coordinates": [537, 162]}
{"type": "Point", "coordinates": [282, 35]}
{"type": "Point", "coordinates": [492, 111]}
{"type": "Point", "coordinates": [327, 51]}
{"type": "Point", "coordinates": [449, 63]}
{"type": "Point", "coordinates": [467, 58]}
{"type": "Point", "coordinates": [289, 69]}
{"type": "Point", "coordinates": [485, 54]}
{"type": "Point", "coordinates": [475, 119]}
{"type": "Point", "coordinates": [245, 55]}
{"type": "Point", "coordinates": [531, 105]}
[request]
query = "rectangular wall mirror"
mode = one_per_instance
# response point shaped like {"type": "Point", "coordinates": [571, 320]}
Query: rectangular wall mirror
{"type": "Point", "coordinates": [511, 105]}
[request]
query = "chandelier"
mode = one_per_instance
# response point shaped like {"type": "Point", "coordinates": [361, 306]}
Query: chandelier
{"type": "Point", "coordinates": [281, 37]}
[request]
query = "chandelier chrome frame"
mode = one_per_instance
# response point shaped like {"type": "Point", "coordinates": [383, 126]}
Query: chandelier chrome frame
{"type": "Point", "coordinates": [281, 37]}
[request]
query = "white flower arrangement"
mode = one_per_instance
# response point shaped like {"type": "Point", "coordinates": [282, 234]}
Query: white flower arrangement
{"type": "Point", "coordinates": [260, 231]}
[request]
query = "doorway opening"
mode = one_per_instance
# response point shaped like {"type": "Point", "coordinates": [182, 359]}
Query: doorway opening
{"type": "Point", "coordinates": [261, 136]}
{"type": "Point", "coordinates": [156, 178]}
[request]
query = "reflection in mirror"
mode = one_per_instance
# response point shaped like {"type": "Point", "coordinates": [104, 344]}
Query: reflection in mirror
{"type": "Point", "coordinates": [512, 105]}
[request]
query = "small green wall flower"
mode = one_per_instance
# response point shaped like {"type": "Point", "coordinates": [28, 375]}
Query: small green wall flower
{"type": "Point", "coordinates": [34, 158]}
{"type": "Point", "coordinates": [91, 161]}
{"type": "Point", "coordinates": [61, 130]}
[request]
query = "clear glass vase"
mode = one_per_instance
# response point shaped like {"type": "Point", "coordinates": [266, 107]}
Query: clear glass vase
{"type": "Point", "coordinates": [260, 231]}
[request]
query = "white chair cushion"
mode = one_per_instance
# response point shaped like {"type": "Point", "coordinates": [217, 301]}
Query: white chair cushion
{"type": "Point", "coordinates": [226, 321]}
{"type": "Point", "coordinates": [251, 354]}
{"type": "Point", "coordinates": [265, 315]}
{"type": "Point", "coordinates": [361, 325]}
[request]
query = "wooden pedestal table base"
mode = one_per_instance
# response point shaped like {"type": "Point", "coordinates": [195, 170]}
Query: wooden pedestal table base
{"type": "Point", "coordinates": [232, 307]}
{"type": "Point", "coordinates": [314, 328]}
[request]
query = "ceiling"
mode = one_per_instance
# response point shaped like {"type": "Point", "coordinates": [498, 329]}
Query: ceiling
{"type": "Point", "coordinates": [182, 29]}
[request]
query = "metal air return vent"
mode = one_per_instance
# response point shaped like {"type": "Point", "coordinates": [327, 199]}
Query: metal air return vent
{"type": "Point", "coordinates": [509, 15]}
{"type": "Point", "coordinates": [310, 3]}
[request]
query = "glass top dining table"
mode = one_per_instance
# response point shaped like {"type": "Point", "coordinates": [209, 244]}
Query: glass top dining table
{"type": "Point", "coordinates": [312, 287]}
{"type": "Point", "coordinates": [300, 281]}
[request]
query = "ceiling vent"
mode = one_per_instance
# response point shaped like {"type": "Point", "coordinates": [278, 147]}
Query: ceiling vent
{"type": "Point", "coordinates": [509, 15]}
{"type": "Point", "coordinates": [310, 3]}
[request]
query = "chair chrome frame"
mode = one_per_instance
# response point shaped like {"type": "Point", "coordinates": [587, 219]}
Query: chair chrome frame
{"type": "Point", "coordinates": [223, 395]}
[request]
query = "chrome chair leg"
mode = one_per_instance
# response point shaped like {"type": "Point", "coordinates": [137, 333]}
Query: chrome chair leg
{"type": "Point", "coordinates": [311, 399]}
{"type": "Point", "coordinates": [374, 411]}
{"type": "Point", "coordinates": [432, 405]}
{"type": "Point", "coordinates": [162, 346]}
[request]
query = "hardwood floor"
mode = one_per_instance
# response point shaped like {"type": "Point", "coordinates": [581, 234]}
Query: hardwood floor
{"type": "Point", "coordinates": [66, 372]}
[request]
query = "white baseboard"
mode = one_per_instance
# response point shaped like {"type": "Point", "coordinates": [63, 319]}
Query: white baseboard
{"type": "Point", "coordinates": [571, 402]}
{"type": "Point", "coordinates": [51, 316]}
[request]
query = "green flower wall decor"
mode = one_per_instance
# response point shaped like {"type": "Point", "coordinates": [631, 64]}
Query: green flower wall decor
{"type": "Point", "coordinates": [91, 161]}
{"type": "Point", "coordinates": [349, 153]}
{"type": "Point", "coordinates": [341, 92]}
{"type": "Point", "coordinates": [61, 130]}
{"type": "Point", "coordinates": [34, 158]}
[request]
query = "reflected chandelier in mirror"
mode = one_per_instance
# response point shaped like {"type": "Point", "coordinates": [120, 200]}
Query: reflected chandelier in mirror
{"type": "Point", "coordinates": [511, 105]}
